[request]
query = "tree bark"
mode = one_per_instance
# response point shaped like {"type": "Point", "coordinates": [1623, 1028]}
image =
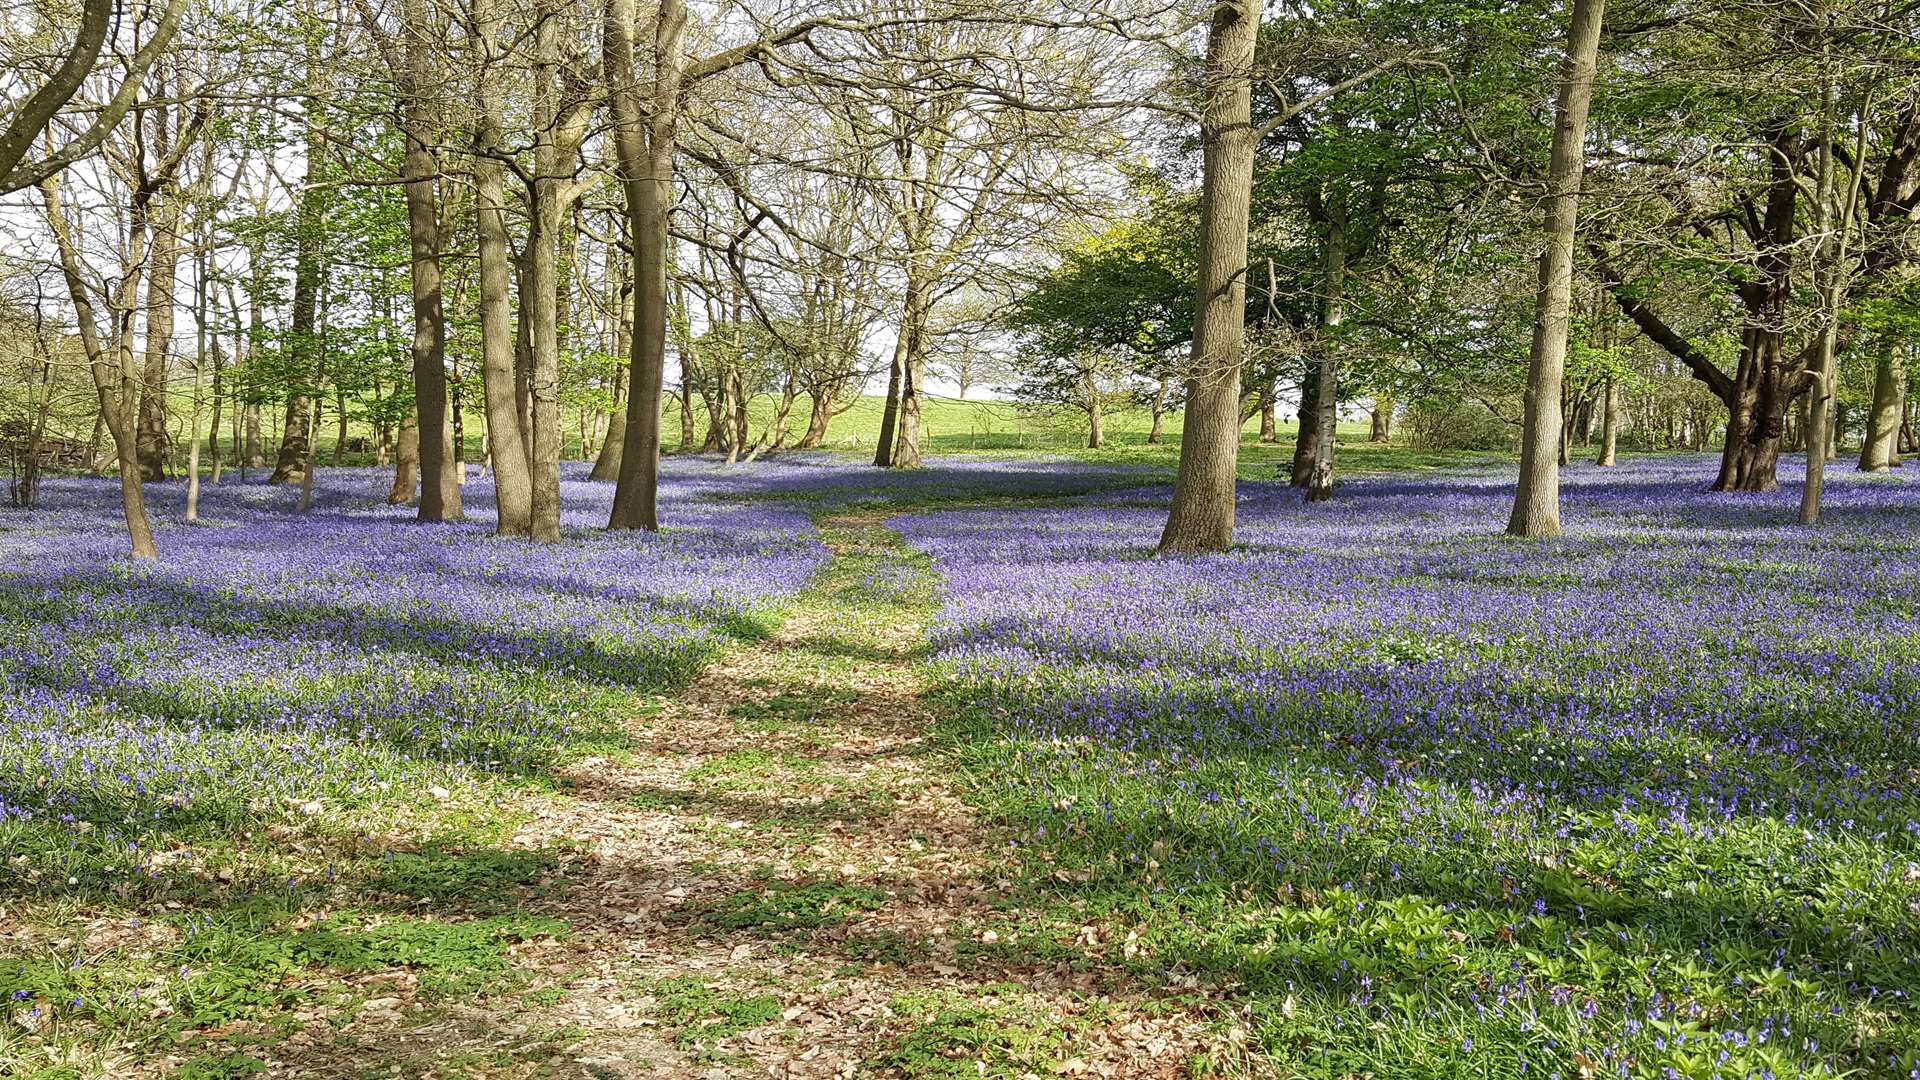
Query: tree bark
{"type": "Point", "coordinates": [1880, 452]}
{"type": "Point", "coordinates": [606, 466]}
{"type": "Point", "coordinates": [116, 381]}
{"type": "Point", "coordinates": [1609, 424]}
{"type": "Point", "coordinates": [819, 415]}
{"type": "Point", "coordinates": [644, 145]}
{"type": "Point", "coordinates": [559, 125]}
{"type": "Point", "coordinates": [1536, 502]}
{"type": "Point", "coordinates": [506, 444]}
{"type": "Point", "coordinates": [439, 468]}
{"type": "Point", "coordinates": [1381, 417]}
{"type": "Point", "coordinates": [297, 430]}
{"type": "Point", "coordinates": [1096, 434]}
{"type": "Point", "coordinates": [890, 412]}
{"type": "Point", "coordinates": [1307, 435]}
{"type": "Point", "coordinates": [907, 451]}
{"type": "Point", "coordinates": [1326, 405]}
{"type": "Point", "coordinates": [406, 464]}
{"type": "Point", "coordinates": [152, 439]}
{"type": "Point", "coordinates": [1202, 515]}
{"type": "Point", "coordinates": [1829, 252]}
{"type": "Point", "coordinates": [1159, 409]}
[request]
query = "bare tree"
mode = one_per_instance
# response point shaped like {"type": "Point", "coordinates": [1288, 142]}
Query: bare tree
{"type": "Point", "coordinates": [32, 117]}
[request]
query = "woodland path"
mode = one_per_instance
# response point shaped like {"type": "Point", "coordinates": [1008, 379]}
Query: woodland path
{"type": "Point", "coordinates": [781, 878]}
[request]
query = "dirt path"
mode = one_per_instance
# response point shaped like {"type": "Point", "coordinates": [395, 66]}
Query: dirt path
{"type": "Point", "coordinates": [781, 879]}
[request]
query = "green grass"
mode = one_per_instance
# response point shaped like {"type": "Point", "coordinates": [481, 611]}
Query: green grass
{"type": "Point", "coordinates": [702, 1016]}
{"type": "Point", "coordinates": [1005, 429]}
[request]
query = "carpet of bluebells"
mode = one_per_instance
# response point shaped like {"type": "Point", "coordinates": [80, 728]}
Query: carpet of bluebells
{"type": "Point", "coordinates": [1420, 800]}
{"type": "Point", "coordinates": [1644, 801]}
{"type": "Point", "coordinates": [273, 656]}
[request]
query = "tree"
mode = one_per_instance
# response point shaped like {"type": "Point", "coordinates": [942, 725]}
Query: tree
{"type": "Point", "coordinates": [1536, 500]}
{"type": "Point", "coordinates": [32, 118]}
{"type": "Point", "coordinates": [1201, 518]}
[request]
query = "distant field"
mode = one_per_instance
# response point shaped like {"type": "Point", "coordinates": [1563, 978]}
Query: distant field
{"type": "Point", "coordinates": [1001, 428]}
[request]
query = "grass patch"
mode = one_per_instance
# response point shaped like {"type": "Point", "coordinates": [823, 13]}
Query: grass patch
{"type": "Point", "coordinates": [701, 1016]}
{"type": "Point", "coordinates": [786, 906]}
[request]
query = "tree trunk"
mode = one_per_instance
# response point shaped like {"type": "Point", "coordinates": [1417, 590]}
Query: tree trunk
{"type": "Point", "coordinates": [1829, 255]}
{"type": "Point", "coordinates": [116, 382]}
{"type": "Point", "coordinates": [1096, 437]}
{"type": "Point", "coordinates": [1536, 502]}
{"type": "Point", "coordinates": [297, 431]}
{"type": "Point", "coordinates": [1382, 420]}
{"type": "Point", "coordinates": [1326, 405]}
{"type": "Point", "coordinates": [907, 448]}
{"type": "Point", "coordinates": [506, 442]}
{"type": "Point", "coordinates": [819, 415]}
{"type": "Point", "coordinates": [251, 449]}
{"type": "Point", "coordinates": [606, 466]}
{"type": "Point", "coordinates": [1307, 435]}
{"type": "Point", "coordinates": [1159, 408]}
{"type": "Point", "coordinates": [1609, 423]}
{"type": "Point", "coordinates": [1201, 518]}
{"type": "Point", "coordinates": [558, 128]}
{"type": "Point", "coordinates": [439, 466]}
{"type": "Point", "coordinates": [406, 464]}
{"type": "Point", "coordinates": [890, 412]}
{"type": "Point", "coordinates": [152, 442]}
{"type": "Point", "coordinates": [1881, 451]}
{"type": "Point", "coordinates": [1269, 423]}
{"type": "Point", "coordinates": [644, 144]}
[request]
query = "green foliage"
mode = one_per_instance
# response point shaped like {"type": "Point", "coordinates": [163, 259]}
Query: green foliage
{"type": "Point", "coordinates": [701, 1015]}
{"type": "Point", "coordinates": [956, 1037]}
{"type": "Point", "coordinates": [483, 876]}
{"type": "Point", "coordinates": [218, 1065]}
{"type": "Point", "coordinates": [787, 906]}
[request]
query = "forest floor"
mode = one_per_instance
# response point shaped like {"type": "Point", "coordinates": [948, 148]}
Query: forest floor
{"type": "Point", "coordinates": [941, 775]}
{"type": "Point", "coordinates": [780, 878]}
{"type": "Point", "coordinates": [770, 870]}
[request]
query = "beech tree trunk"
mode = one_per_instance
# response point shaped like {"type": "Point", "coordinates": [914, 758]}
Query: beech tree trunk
{"type": "Point", "coordinates": [606, 465]}
{"type": "Point", "coordinates": [1536, 501]}
{"type": "Point", "coordinates": [439, 468]}
{"type": "Point", "coordinates": [406, 464]}
{"type": "Point", "coordinates": [1829, 254]}
{"type": "Point", "coordinates": [1201, 518]}
{"type": "Point", "coordinates": [1159, 408]}
{"type": "Point", "coordinates": [1609, 424]}
{"type": "Point", "coordinates": [1881, 450]}
{"type": "Point", "coordinates": [1381, 417]}
{"type": "Point", "coordinates": [297, 429]}
{"type": "Point", "coordinates": [506, 442]}
{"type": "Point", "coordinates": [644, 146]}
{"type": "Point", "coordinates": [907, 450]}
{"type": "Point", "coordinates": [819, 415]}
{"type": "Point", "coordinates": [152, 439]}
{"type": "Point", "coordinates": [1326, 405]}
{"type": "Point", "coordinates": [890, 412]}
{"type": "Point", "coordinates": [1308, 435]}
{"type": "Point", "coordinates": [116, 381]}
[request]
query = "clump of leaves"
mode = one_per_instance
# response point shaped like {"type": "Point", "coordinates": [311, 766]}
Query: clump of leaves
{"type": "Point", "coordinates": [959, 1038]}
{"type": "Point", "coordinates": [220, 1066]}
{"type": "Point", "coordinates": [701, 1015]}
{"type": "Point", "coordinates": [480, 876]}
{"type": "Point", "coordinates": [793, 906]}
